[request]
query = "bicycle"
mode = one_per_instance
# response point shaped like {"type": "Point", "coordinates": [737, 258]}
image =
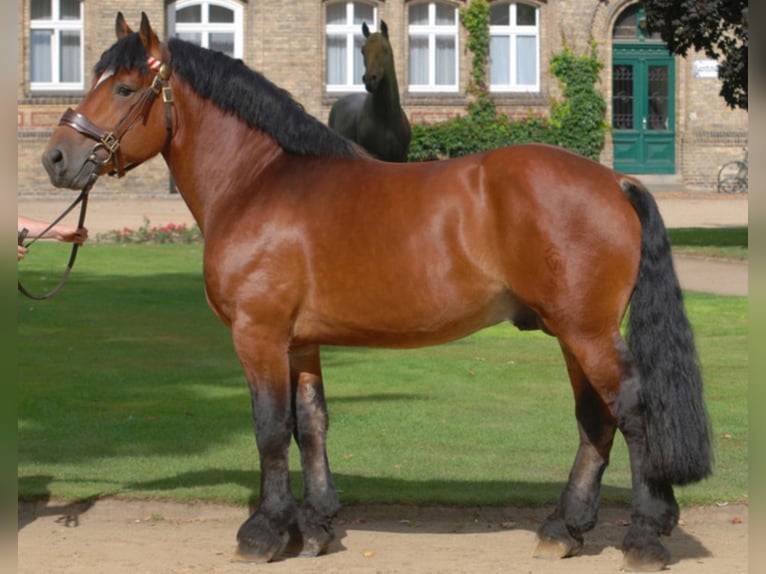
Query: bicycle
{"type": "Point", "coordinates": [732, 177]}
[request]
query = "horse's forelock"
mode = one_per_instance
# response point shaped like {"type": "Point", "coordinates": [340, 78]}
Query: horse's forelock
{"type": "Point", "coordinates": [128, 53]}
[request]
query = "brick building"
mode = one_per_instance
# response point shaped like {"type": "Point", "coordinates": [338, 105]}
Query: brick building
{"type": "Point", "coordinates": [667, 117]}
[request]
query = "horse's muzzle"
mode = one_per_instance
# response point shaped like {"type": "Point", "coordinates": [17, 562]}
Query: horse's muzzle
{"type": "Point", "coordinates": [70, 170]}
{"type": "Point", "coordinates": [370, 82]}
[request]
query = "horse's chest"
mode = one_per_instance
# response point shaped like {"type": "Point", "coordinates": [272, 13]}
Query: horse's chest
{"type": "Point", "coordinates": [383, 142]}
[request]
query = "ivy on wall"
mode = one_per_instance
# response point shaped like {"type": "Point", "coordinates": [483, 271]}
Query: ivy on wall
{"type": "Point", "coordinates": [577, 122]}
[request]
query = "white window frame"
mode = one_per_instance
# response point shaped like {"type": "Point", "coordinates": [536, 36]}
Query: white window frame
{"type": "Point", "coordinates": [205, 28]}
{"type": "Point", "coordinates": [512, 32]}
{"type": "Point", "coordinates": [350, 31]}
{"type": "Point", "coordinates": [55, 25]}
{"type": "Point", "coordinates": [431, 31]}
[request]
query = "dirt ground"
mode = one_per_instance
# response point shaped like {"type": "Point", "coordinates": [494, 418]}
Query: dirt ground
{"type": "Point", "coordinates": [114, 536]}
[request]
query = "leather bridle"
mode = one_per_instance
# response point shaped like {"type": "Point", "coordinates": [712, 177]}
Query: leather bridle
{"type": "Point", "coordinates": [109, 141]}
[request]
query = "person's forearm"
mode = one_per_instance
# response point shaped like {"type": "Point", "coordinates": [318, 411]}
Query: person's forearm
{"type": "Point", "coordinates": [35, 227]}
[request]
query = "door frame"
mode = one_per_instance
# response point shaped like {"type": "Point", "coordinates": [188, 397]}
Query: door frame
{"type": "Point", "coordinates": [647, 151]}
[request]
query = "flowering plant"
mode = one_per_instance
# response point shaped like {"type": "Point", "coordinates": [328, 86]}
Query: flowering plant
{"type": "Point", "coordinates": [147, 233]}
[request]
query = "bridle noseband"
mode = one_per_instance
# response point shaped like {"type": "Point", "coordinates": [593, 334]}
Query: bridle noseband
{"type": "Point", "coordinates": [109, 141]}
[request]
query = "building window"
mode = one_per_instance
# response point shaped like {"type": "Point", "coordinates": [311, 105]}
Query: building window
{"type": "Point", "coordinates": [343, 22]}
{"type": "Point", "coordinates": [433, 42]}
{"type": "Point", "coordinates": [514, 47]}
{"type": "Point", "coordinates": [213, 24]}
{"type": "Point", "coordinates": [631, 26]}
{"type": "Point", "coordinates": [55, 45]}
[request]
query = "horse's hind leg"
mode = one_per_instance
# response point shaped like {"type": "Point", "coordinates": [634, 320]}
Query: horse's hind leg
{"type": "Point", "coordinates": [320, 499]}
{"type": "Point", "coordinates": [654, 508]}
{"type": "Point", "coordinates": [560, 535]}
{"type": "Point", "coordinates": [604, 362]}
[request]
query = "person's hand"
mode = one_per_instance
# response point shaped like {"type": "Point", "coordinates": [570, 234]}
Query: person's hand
{"type": "Point", "coordinates": [22, 252]}
{"type": "Point", "coordinates": [71, 234]}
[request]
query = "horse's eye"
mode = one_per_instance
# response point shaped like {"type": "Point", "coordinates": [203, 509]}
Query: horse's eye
{"type": "Point", "coordinates": [123, 90]}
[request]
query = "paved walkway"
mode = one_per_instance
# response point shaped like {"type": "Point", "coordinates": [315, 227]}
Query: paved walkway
{"type": "Point", "coordinates": [678, 208]}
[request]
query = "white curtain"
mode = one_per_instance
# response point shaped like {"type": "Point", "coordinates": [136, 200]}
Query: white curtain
{"type": "Point", "coordinates": [419, 60]}
{"type": "Point", "coordinates": [70, 56]}
{"type": "Point", "coordinates": [336, 60]}
{"type": "Point", "coordinates": [40, 65]}
{"type": "Point", "coordinates": [526, 61]}
{"type": "Point", "coordinates": [69, 9]}
{"type": "Point", "coordinates": [445, 60]}
{"type": "Point", "coordinates": [358, 59]}
{"type": "Point", "coordinates": [192, 37]}
{"type": "Point", "coordinates": [499, 60]}
{"type": "Point", "coordinates": [222, 42]}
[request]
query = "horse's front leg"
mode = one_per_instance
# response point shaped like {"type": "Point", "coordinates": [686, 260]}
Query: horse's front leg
{"type": "Point", "coordinates": [264, 359]}
{"type": "Point", "coordinates": [320, 499]}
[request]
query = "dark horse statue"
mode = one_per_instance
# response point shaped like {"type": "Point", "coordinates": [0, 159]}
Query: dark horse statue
{"type": "Point", "coordinates": [309, 242]}
{"type": "Point", "coordinates": [375, 120]}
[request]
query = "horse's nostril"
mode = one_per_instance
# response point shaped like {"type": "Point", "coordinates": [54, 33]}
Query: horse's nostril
{"type": "Point", "coordinates": [54, 161]}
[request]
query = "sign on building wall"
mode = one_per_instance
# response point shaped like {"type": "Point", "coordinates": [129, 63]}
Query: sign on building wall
{"type": "Point", "coordinates": [705, 69]}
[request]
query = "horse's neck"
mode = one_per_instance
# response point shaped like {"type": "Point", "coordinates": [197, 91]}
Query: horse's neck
{"type": "Point", "coordinates": [385, 99]}
{"type": "Point", "coordinates": [209, 152]}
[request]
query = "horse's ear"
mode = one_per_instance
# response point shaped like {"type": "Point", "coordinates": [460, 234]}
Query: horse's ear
{"type": "Point", "coordinates": [121, 27]}
{"type": "Point", "coordinates": [365, 30]}
{"type": "Point", "coordinates": [384, 29]}
{"type": "Point", "coordinates": [149, 39]}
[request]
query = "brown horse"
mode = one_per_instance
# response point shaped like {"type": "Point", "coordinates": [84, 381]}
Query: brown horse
{"type": "Point", "coordinates": [375, 120]}
{"type": "Point", "coordinates": [308, 243]}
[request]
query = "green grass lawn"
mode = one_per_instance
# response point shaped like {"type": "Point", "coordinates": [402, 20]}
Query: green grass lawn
{"type": "Point", "coordinates": [720, 242]}
{"type": "Point", "coordinates": [129, 386]}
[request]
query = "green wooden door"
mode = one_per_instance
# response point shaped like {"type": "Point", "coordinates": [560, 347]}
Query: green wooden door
{"type": "Point", "coordinates": [643, 111]}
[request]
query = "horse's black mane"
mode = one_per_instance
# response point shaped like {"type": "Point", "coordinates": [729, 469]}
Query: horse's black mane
{"type": "Point", "coordinates": [238, 90]}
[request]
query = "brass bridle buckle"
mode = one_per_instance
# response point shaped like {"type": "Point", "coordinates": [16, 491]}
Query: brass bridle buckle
{"type": "Point", "coordinates": [111, 143]}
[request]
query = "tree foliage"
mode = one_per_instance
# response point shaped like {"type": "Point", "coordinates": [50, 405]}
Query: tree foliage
{"type": "Point", "coordinates": [719, 28]}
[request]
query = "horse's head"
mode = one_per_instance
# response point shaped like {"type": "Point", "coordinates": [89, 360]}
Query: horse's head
{"type": "Point", "coordinates": [378, 56]}
{"type": "Point", "coordinates": [115, 126]}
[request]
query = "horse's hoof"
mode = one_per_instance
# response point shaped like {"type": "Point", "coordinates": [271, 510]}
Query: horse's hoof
{"type": "Point", "coordinates": [555, 541]}
{"type": "Point", "coordinates": [649, 560]}
{"type": "Point", "coordinates": [259, 552]}
{"type": "Point", "coordinates": [630, 564]}
{"type": "Point", "coordinates": [643, 551]}
{"type": "Point", "coordinates": [313, 547]}
{"type": "Point", "coordinates": [257, 543]}
{"type": "Point", "coordinates": [556, 549]}
{"type": "Point", "coordinates": [245, 553]}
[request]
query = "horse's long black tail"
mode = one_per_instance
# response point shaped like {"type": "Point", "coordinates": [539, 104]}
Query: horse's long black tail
{"type": "Point", "coordinates": [661, 342]}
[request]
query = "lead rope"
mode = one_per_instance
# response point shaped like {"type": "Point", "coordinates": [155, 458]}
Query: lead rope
{"type": "Point", "coordinates": [83, 200]}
